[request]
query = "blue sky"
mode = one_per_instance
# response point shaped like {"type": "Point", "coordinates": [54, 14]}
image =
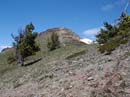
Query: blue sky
{"type": "Point", "coordinates": [85, 17]}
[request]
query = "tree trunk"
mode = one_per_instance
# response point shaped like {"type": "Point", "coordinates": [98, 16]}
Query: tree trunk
{"type": "Point", "coordinates": [20, 60]}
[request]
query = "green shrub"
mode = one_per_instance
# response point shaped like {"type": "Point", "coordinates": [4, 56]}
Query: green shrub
{"type": "Point", "coordinates": [75, 54]}
{"type": "Point", "coordinates": [127, 53]}
{"type": "Point", "coordinates": [108, 47]}
{"type": "Point", "coordinates": [11, 59]}
{"type": "Point", "coordinates": [123, 41]}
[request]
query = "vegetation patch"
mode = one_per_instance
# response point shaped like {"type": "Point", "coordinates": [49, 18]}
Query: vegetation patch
{"type": "Point", "coordinates": [112, 36]}
{"type": "Point", "coordinates": [127, 53]}
{"type": "Point", "coordinates": [107, 48]}
{"type": "Point", "coordinates": [11, 59]}
{"type": "Point", "coordinates": [76, 54]}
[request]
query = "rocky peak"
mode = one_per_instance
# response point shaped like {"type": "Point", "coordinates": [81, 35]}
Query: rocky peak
{"type": "Point", "coordinates": [65, 34]}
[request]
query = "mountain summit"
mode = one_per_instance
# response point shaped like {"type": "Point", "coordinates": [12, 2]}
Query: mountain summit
{"type": "Point", "coordinates": [65, 34]}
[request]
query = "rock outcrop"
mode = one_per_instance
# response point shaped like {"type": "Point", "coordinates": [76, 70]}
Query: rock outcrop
{"type": "Point", "coordinates": [65, 35]}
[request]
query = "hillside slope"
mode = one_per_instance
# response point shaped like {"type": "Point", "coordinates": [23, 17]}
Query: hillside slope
{"type": "Point", "coordinates": [13, 77]}
{"type": "Point", "coordinates": [88, 75]}
{"type": "Point", "coordinates": [74, 70]}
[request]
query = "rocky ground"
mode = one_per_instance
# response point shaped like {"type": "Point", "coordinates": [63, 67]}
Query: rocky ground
{"type": "Point", "coordinates": [89, 75]}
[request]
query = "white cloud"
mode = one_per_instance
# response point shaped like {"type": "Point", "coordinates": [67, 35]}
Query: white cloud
{"type": "Point", "coordinates": [107, 7]}
{"type": "Point", "coordinates": [92, 32]}
{"type": "Point", "coordinates": [120, 2]}
{"type": "Point", "coordinates": [4, 46]}
{"type": "Point", "coordinates": [113, 5]}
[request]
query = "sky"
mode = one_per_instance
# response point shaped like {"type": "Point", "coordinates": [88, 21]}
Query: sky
{"type": "Point", "coordinates": [84, 17]}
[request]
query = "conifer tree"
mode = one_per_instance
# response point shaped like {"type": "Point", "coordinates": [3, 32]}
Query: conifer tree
{"type": "Point", "coordinates": [112, 36]}
{"type": "Point", "coordinates": [25, 43]}
{"type": "Point", "coordinates": [53, 42]}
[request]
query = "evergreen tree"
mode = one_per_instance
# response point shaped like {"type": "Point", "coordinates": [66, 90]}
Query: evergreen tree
{"type": "Point", "coordinates": [111, 36]}
{"type": "Point", "coordinates": [105, 34]}
{"type": "Point", "coordinates": [53, 42]}
{"type": "Point", "coordinates": [25, 43]}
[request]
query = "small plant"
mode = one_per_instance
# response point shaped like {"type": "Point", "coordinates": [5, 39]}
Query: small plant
{"type": "Point", "coordinates": [124, 41]}
{"type": "Point", "coordinates": [11, 59]}
{"type": "Point", "coordinates": [75, 54]}
{"type": "Point", "coordinates": [127, 53]}
{"type": "Point", "coordinates": [108, 47]}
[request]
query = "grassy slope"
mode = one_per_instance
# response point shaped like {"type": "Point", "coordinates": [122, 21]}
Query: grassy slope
{"type": "Point", "coordinates": [10, 73]}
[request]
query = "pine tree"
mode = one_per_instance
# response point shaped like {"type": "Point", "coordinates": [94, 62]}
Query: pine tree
{"type": "Point", "coordinates": [53, 42]}
{"type": "Point", "coordinates": [107, 33]}
{"type": "Point", "coordinates": [25, 43]}
{"type": "Point", "coordinates": [112, 36]}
